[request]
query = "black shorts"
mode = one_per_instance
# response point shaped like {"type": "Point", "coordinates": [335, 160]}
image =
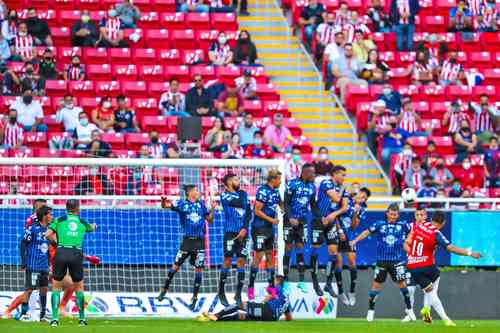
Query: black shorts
{"type": "Point", "coordinates": [295, 234]}
{"type": "Point", "coordinates": [397, 271]}
{"type": "Point", "coordinates": [34, 280]}
{"type": "Point", "coordinates": [260, 312]}
{"type": "Point", "coordinates": [234, 247]}
{"type": "Point", "coordinates": [322, 234]}
{"type": "Point", "coordinates": [263, 239]}
{"type": "Point", "coordinates": [345, 247]}
{"type": "Point", "coordinates": [68, 260]}
{"type": "Point", "coordinates": [424, 276]}
{"type": "Point", "coordinates": [194, 249]}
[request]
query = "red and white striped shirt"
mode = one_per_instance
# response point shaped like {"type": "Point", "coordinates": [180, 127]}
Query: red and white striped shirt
{"type": "Point", "coordinates": [489, 16]}
{"type": "Point", "coordinates": [483, 122]}
{"type": "Point", "coordinates": [157, 150]}
{"type": "Point", "coordinates": [408, 122]}
{"type": "Point", "coordinates": [449, 71]}
{"type": "Point", "coordinates": [419, 69]}
{"type": "Point", "coordinates": [381, 122]}
{"type": "Point", "coordinates": [113, 27]}
{"type": "Point", "coordinates": [325, 33]}
{"type": "Point", "coordinates": [475, 6]}
{"type": "Point", "coordinates": [24, 46]}
{"type": "Point", "coordinates": [216, 3]}
{"type": "Point", "coordinates": [292, 169]}
{"type": "Point", "coordinates": [74, 72]}
{"type": "Point", "coordinates": [417, 180]}
{"type": "Point", "coordinates": [402, 162]}
{"type": "Point", "coordinates": [404, 10]}
{"type": "Point", "coordinates": [341, 18]}
{"type": "Point", "coordinates": [350, 29]}
{"type": "Point", "coordinates": [12, 134]}
{"type": "Point", "coordinates": [221, 52]}
{"type": "Point", "coordinates": [455, 119]}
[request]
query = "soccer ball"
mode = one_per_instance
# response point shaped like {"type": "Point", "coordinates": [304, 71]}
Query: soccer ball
{"type": "Point", "coordinates": [408, 195]}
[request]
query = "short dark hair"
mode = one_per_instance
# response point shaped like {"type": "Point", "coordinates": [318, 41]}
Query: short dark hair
{"type": "Point", "coordinates": [427, 177]}
{"type": "Point", "coordinates": [72, 205]}
{"type": "Point", "coordinates": [438, 217]}
{"type": "Point", "coordinates": [39, 200]}
{"type": "Point", "coordinates": [42, 211]}
{"type": "Point", "coordinates": [431, 143]}
{"type": "Point", "coordinates": [172, 79]}
{"type": "Point", "coordinates": [307, 166]}
{"type": "Point", "coordinates": [493, 138]}
{"type": "Point", "coordinates": [338, 168]}
{"type": "Point", "coordinates": [366, 190]}
{"type": "Point", "coordinates": [416, 159]}
{"type": "Point", "coordinates": [393, 206]}
{"type": "Point", "coordinates": [257, 132]}
{"type": "Point", "coordinates": [420, 207]}
{"type": "Point", "coordinates": [227, 177]}
{"type": "Point", "coordinates": [188, 188]}
{"type": "Point", "coordinates": [347, 44]}
{"type": "Point", "coordinates": [121, 97]}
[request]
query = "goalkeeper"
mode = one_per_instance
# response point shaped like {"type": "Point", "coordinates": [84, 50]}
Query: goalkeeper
{"type": "Point", "coordinates": [69, 232]}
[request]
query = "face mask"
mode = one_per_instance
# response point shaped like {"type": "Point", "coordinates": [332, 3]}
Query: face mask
{"type": "Point", "coordinates": [465, 129]}
{"type": "Point", "coordinates": [76, 64]}
{"type": "Point", "coordinates": [13, 120]}
{"type": "Point", "coordinates": [258, 141]}
{"type": "Point", "coordinates": [407, 152]}
{"type": "Point", "coordinates": [222, 40]}
{"type": "Point", "coordinates": [440, 166]}
{"type": "Point", "coordinates": [323, 156]}
{"type": "Point", "coordinates": [456, 188]}
{"type": "Point", "coordinates": [22, 33]}
{"type": "Point", "coordinates": [244, 40]}
{"type": "Point", "coordinates": [106, 105]}
{"type": "Point", "coordinates": [13, 17]}
{"type": "Point", "coordinates": [85, 18]}
{"type": "Point", "coordinates": [466, 166]}
{"type": "Point", "coordinates": [386, 91]}
{"type": "Point", "coordinates": [427, 184]}
{"type": "Point", "coordinates": [453, 60]}
{"type": "Point", "coordinates": [296, 158]}
{"type": "Point", "coordinates": [84, 122]}
{"type": "Point", "coordinates": [433, 39]}
{"type": "Point", "coordinates": [27, 99]}
{"type": "Point", "coordinates": [331, 24]}
{"type": "Point", "coordinates": [313, 6]}
{"type": "Point", "coordinates": [154, 139]}
{"type": "Point", "coordinates": [112, 13]}
{"type": "Point", "coordinates": [69, 105]}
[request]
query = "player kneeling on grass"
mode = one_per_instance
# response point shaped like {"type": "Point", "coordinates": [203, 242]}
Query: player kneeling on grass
{"type": "Point", "coordinates": [421, 246]}
{"type": "Point", "coordinates": [69, 233]}
{"type": "Point", "coordinates": [275, 305]}
{"type": "Point", "coordinates": [192, 215]}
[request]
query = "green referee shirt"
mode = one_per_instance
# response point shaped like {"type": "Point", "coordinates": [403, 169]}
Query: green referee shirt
{"type": "Point", "coordinates": [70, 230]}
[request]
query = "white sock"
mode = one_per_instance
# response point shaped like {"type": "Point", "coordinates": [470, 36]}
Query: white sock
{"type": "Point", "coordinates": [33, 304]}
{"type": "Point", "coordinates": [427, 299]}
{"type": "Point", "coordinates": [437, 305]}
{"type": "Point", "coordinates": [411, 292]}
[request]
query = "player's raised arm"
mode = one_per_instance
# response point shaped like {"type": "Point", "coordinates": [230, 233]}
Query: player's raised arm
{"type": "Point", "coordinates": [463, 252]}
{"type": "Point", "coordinates": [211, 212]}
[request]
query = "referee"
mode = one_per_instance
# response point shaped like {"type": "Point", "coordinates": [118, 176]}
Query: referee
{"type": "Point", "coordinates": [68, 231]}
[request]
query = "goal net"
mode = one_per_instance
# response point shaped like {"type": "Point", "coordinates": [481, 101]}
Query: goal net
{"type": "Point", "coordinates": [136, 239]}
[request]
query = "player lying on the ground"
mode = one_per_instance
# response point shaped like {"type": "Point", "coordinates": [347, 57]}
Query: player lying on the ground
{"type": "Point", "coordinates": [275, 305]}
{"type": "Point", "coordinates": [192, 215]}
{"type": "Point", "coordinates": [421, 245]}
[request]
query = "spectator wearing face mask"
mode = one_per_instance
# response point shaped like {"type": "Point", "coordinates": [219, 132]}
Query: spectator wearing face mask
{"type": "Point", "coordinates": [128, 14]}
{"type": "Point", "coordinates": [83, 131]}
{"type": "Point", "coordinates": [11, 133]}
{"type": "Point", "coordinates": [84, 32]}
{"type": "Point", "coordinates": [23, 46]}
{"type": "Point", "coordinates": [258, 149]}
{"type": "Point", "coordinates": [451, 72]}
{"type": "Point", "coordinates": [325, 34]}
{"type": "Point", "coordinates": [277, 136]}
{"type": "Point", "coordinates": [465, 141]}
{"type": "Point", "coordinates": [111, 31]}
{"type": "Point", "coordinates": [322, 165]}
{"type": "Point", "coordinates": [486, 20]}
{"type": "Point", "coordinates": [380, 19]}
{"type": "Point", "coordinates": [378, 124]}
{"type": "Point", "coordinates": [103, 115]}
{"type": "Point", "coordinates": [247, 85]}
{"type": "Point", "coordinates": [48, 69]}
{"type": "Point", "coordinates": [393, 143]}
{"type": "Point", "coordinates": [294, 164]}
{"type": "Point", "coordinates": [414, 176]}
{"type": "Point", "coordinates": [392, 99]}
{"type": "Point", "coordinates": [75, 71]}
{"type": "Point", "coordinates": [245, 52]}
{"type": "Point", "coordinates": [38, 28]}
{"type": "Point", "coordinates": [468, 177]}
{"type": "Point", "coordinates": [247, 130]}
{"type": "Point", "coordinates": [428, 190]}
{"type": "Point", "coordinates": [402, 163]}
{"type": "Point", "coordinates": [159, 149]}
{"type": "Point", "coordinates": [220, 53]}
{"type": "Point", "coordinates": [441, 175]}
{"type": "Point", "coordinates": [492, 164]}
{"type": "Point", "coordinates": [125, 121]}
{"type": "Point", "coordinates": [429, 155]}
{"type": "Point", "coordinates": [29, 112]}
{"type": "Point", "coordinates": [31, 80]}
{"type": "Point", "coordinates": [312, 15]}
{"type": "Point", "coordinates": [69, 114]}
{"type": "Point", "coordinates": [486, 116]}
{"type": "Point", "coordinates": [172, 101]}
{"type": "Point", "coordinates": [454, 116]}
{"type": "Point", "coordinates": [456, 189]}
{"type": "Point", "coordinates": [10, 26]}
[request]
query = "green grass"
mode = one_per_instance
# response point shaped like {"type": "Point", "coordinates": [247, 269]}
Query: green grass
{"type": "Point", "coordinates": [298, 326]}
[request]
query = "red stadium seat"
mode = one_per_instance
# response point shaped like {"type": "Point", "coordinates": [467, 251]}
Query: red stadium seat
{"type": "Point", "coordinates": [151, 73]}
{"type": "Point", "coordinates": [52, 124]}
{"type": "Point", "coordinates": [134, 141]}
{"type": "Point", "coordinates": [146, 106]}
{"type": "Point", "coordinates": [433, 93]}
{"type": "Point", "coordinates": [179, 72]}
{"type": "Point", "coordinates": [68, 17]}
{"type": "Point", "coordinates": [207, 72]}
{"type": "Point", "coordinates": [61, 36]}
{"type": "Point", "coordinates": [99, 72]}
{"type": "Point", "coordinates": [55, 87]}
{"type": "Point", "coordinates": [158, 88]}
{"type": "Point", "coordinates": [224, 21]}
{"type": "Point", "coordinates": [116, 140]}
{"type": "Point", "coordinates": [45, 152]}
{"type": "Point", "coordinates": [459, 92]}
{"type": "Point", "coordinates": [157, 38]}
{"type": "Point", "coordinates": [170, 57]}
{"type": "Point", "coordinates": [134, 88]}
{"type": "Point", "coordinates": [65, 54]}
{"type": "Point", "coordinates": [164, 5]}
{"type": "Point", "coordinates": [89, 4]}
{"type": "Point", "coordinates": [158, 123]}
{"type": "Point", "coordinates": [96, 55]}
{"type": "Point", "coordinates": [480, 60]}
{"type": "Point", "coordinates": [253, 107]}
{"type": "Point", "coordinates": [205, 38]}
{"type": "Point", "coordinates": [145, 56]}
{"type": "Point", "coordinates": [267, 92]}
{"type": "Point", "coordinates": [198, 21]}
{"type": "Point", "coordinates": [418, 144]}
{"type": "Point", "coordinates": [63, 4]}
{"type": "Point", "coordinates": [120, 56]}
{"type": "Point", "coordinates": [173, 20]}
{"type": "Point", "coordinates": [35, 140]}
{"type": "Point", "coordinates": [183, 39]}
{"type": "Point", "coordinates": [149, 20]}
{"type": "Point", "coordinates": [228, 73]}
{"type": "Point", "coordinates": [125, 72]}
{"type": "Point", "coordinates": [108, 88]}
{"type": "Point", "coordinates": [82, 89]}
{"type": "Point", "coordinates": [444, 145]}
{"type": "Point", "coordinates": [192, 57]}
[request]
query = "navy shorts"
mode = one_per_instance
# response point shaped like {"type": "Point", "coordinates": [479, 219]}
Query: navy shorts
{"type": "Point", "coordinates": [424, 276]}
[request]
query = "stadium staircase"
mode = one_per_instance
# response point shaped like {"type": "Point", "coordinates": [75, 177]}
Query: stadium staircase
{"type": "Point", "coordinates": [300, 84]}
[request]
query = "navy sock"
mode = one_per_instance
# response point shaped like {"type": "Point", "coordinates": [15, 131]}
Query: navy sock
{"type": "Point", "coordinates": [253, 275]}
{"type": "Point", "coordinates": [241, 280]}
{"type": "Point", "coordinates": [222, 279]}
{"type": "Point", "coordinates": [333, 261]}
{"type": "Point", "coordinates": [338, 278]}
{"type": "Point", "coordinates": [300, 264]}
{"type": "Point", "coordinates": [406, 296]}
{"type": "Point", "coordinates": [43, 304]}
{"type": "Point", "coordinates": [170, 276]}
{"type": "Point", "coordinates": [354, 277]}
{"type": "Point", "coordinates": [270, 276]}
{"type": "Point", "coordinates": [372, 298]}
{"type": "Point", "coordinates": [24, 308]}
{"type": "Point", "coordinates": [286, 264]}
{"type": "Point", "coordinates": [197, 283]}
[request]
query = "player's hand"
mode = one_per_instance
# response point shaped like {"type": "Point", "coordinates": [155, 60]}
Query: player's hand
{"type": "Point", "coordinates": [165, 203]}
{"type": "Point", "coordinates": [242, 234]}
{"type": "Point", "coordinates": [94, 226]}
{"type": "Point", "coordinates": [214, 204]}
{"type": "Point", "coordinates": [325, 221]}
{"type": "Point", "coordinates": [342, 237]}
{"type": "Point", "coordinates": [476, 255]}
{"type": "Point", "coordinates": [353, 244]}
{"type": "Point", "coordinates": [294, 222]}
{"type": "Point", "coordinates": [275, 221]}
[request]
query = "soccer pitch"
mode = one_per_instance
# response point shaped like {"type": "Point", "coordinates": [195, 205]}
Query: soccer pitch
{"type": "Point", "coordinates": [298, 326]}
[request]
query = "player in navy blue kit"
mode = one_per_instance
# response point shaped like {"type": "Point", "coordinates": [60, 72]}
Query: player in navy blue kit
{"type": "Point", "coordinates": [331, 204]}
{"type": "Point", "coordinates": [390, 235]}
{"type": "Point", "coordinates": [237, 216]}
{"type": "Point", "coordinates": [267, 200]}
{"type": "Point", "coordinates": [299, 202]}
{"type": "Point", "coordinates": [349, 221]}
{"type": "Point", "coordinates": [35, 259]}
{"type": "Point", "coordinates": [192, 215]}
{"type": "Point", "coordinates": [274, 306]}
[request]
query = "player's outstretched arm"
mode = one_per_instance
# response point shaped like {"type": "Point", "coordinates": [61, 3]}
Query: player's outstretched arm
{"type": "Point", "coordinates": [360, 237]}
{"type": "Point", "coordinates": [259, 213]}
{"type": "Point", "coordinates": [463, 252]}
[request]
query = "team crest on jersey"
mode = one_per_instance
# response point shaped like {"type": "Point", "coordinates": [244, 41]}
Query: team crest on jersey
{"type": "Point", "coordinates": [240, 211]}
{"type": "Point", "coordinates": [303, 200]}
{"type": "Point", "coordinates": [44, 248]}
{"type": "Point", "coordinates": [72, 226]}
{"type": "Point", "coordinates": [390, 240]}
{"type": "Point", "coordinates": [194, 217]}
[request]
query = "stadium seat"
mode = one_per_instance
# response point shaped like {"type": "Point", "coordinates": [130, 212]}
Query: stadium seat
{"type": "Point", "coordinates": [134, 141]}
{"type": "Point", "coordinates": [134, 88]}
{"type": "Point", "coordinates": [120, 56]}
{"type": "Point", "coordinates": [151, 73]}
{"type": "Point", "coordinates": [146, 106]}
{"type": "Point", "coordinates": [96, 55]}
{"type": "Point", "coordinates": [173, 21]}
{"type": "Point", "coordinates": [157, 38]}
{"type": "Point", "coordinates": [170, 57]}
{"type": "Point", "coordinates": [35, 140]}
{"type": "Point", "coordinates": [82, 89]}
{"type": "Point", "coordinates": [198, 21]}
{"type": "Point", "coordinates": [224, 21]}
{"type": "Point", "coordinates": [116, 140]}
{"type": "Point", "coordinates": [98, 72]}
{"type": "Point", "coordinates": [125, 72]}
{"type": "Point", "coordinates": [108, 88]}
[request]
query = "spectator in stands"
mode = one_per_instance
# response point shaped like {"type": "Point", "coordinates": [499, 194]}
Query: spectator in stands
{"type": "Point", "coordinates": [125, 120]}
{"type": "Point", "coordinates": [97, 147]}
{"type": "Point", "coordinates": [428, 190]}
{"type": "Point", "coordinates": [69, 114]}
{"type": "Point", "coordinates": [378, 124]}
{"type": "Point", "coordinates": [435, 46]}
{"type": "Point", "coordinates": [374, 70]}
{"type": "Point", "coordinates": [346, 69]}
{"type": "Point", "coordinates": [5, 53]}
{"type": "Point", "coordinates": [402, 164]}
{"type": "Point", "coordinates": [380, 19]}
{"type": "Point", "coordinates": [8, 80]}
{"type": "Point", "coordinates": [84, 32]}
{"type": "Point", "coordinates": [111, 31]}
{"type": "Point", "coordinates": [402, 13]}
{"type": "Point", "coordinates": [468, 178]}
{"type": "Point", "coordinates": [294, 164]}
{"type": "Point", "coordinates": [456, 189]}
{"type": "Point", "coordinates": [247, 85]}
{"type": "Point", "coordinates": [441, 175]}
{"type": "Point", "coordinates": [219, 6]}
{"type": "Point", "coordinates": [465, 141]}
{"type": "Point", "coordinates": [246, 130]}
{"type": "Point", "coordinates": [409, 120]}
{"type": "Point", "coordinates": [29, 112]}
{"type": "Point", "coordinates": [161, 150]}
{"type": "Point", "coordinates": [230, 101]}
{"type": "Point", "coordinates": [486, 20]}
{"type": "Point", "coordinates": [353, 25]}
{"type": "Point", "coordinates": [258, 149]}
{"type": "Point", "coordinates": [322, 165]}
{"type": "Point", "coordinates": [460, 17]}
{"type": "Point", "coordinates": [11, 132]}
{"type": "Point", "coordinates": [451, 72]}
{"type": "Point", "coordinates": [218, 138]}
{"type": "Point", "coordinates": [48, 69]}
{"type": "Point", "coordinates": [325, 34]}
{"type": "Point", "coordinates": [312, 15]}
{"type": "Point", "coordinates": [454, 115]}
{"type": "Point", "coordinates": [392, 99]}
{"type": "Point", "coordinates": [31, 80]}
{"type": "Point", "coordinates": [243, 7]}
{"type": "Point", "coordinates": [361, 46]}
{"type": "Point", "coordinates": [342, 15]}
{"type": "Point", "coordinates": [485, 119]}
{"type": "Point", "coordinates": [235, 149]}
{"type": "Point", "coordinates": [185, 6]}
{"type": "Point", "coordinates": [23, 46]}
{"type": "Point", "coordinates": [220, 53]}
{"type": "Point", "coordinates": [245, 52]}
{"type": "Point", "coordinates": [277, 136]}
{"type": "Point", "coordinates": [75, 71]}
{"type": "Point", "coordinates": [414, 176]}
{"type": "Point", "coordinates": [492, 164]}
{"type": "Point", "coordinates": [393, 142]}
{"type": "Point", "coordinates": [83, 132]}
{"type": "Point", "coordinates": [128, 14]}
{"type": "Point", "coordinates": [199, 101]}
{"type": "Point", "coordinates": [172, 101]}
{"type": "Point", "coordinates": [423, 70]}
{"type": "Point", "coordinates": [38, 28]}
{"type": "Point", "coordinates": [10, 26]}
{"type": "Point", "coordinates": [334, 51]}
{"type": "Point", "coordinates": [103, 115]}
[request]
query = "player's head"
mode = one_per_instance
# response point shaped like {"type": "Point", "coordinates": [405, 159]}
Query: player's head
{"type": "Point", "coordinates": [392, 213]}
{"type": "Point", "coordinates": [274, 178]}
{"type": "Point", "coordinates": [338, 174]}
{"type": "Point", "coordinates": [308, 172]}
{"type": "Point", "coordinates": [420, 214]}
{"type": "Point", "coordinates": [38, 203]}
{"type": "Point", "coordinates": [192, 192]}
{"type": "Point", "coordinates": [438, 219]}
{"type": "Point", "coordinates": [231, 181]}
{"type": "Point", "coordinates": [73, 206]}
{"type": "Point", "coordinates": [363, 195]}
{"type": "Point", "coordinates": [279, 280]}
{"type": "Point", "coordinates": [44, 215]}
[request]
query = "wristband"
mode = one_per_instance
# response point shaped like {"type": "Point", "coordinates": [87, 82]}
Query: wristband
{"type": "Point", "coordinates": [341, 231]}
{"type": "Point", "coordinates": [469, 253]}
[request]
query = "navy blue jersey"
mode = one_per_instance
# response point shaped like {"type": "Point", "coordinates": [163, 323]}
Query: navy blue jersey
{"type": "Point", "coordinates": [390, 239]}
{"type": "Point", "coordinates": [270, 198]}
{"type": "Point", "coordinates": [298, 197]}
{"type": "Point", "coordinates": [347, 217]}
{"type": "Point", "coordinates": [192, 217]}
{"type": "Point", "coordinates": [35, 249]}
{"type": "Point", "coordinates": [425, 192]}
{"type": "Point", "coordinates": [280, 304]}
{"type": "Point", "coordinates": [237, 212]}
{"type": "Point", "coordinates": [325, 204]}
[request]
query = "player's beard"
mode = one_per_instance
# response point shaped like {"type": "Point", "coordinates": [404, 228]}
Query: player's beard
{"type": "Point", "coordinates": [236, 188]}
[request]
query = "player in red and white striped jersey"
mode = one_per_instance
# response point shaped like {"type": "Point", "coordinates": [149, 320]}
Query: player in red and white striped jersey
{"type": "Point", "coordinates": [23, 46]}
{"type": "Point", "coordinates": [111, 31]}
{"type": "Point", "coordinates": [454, 115]}
{"type": "Point", "coordinates": [11, 132]}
